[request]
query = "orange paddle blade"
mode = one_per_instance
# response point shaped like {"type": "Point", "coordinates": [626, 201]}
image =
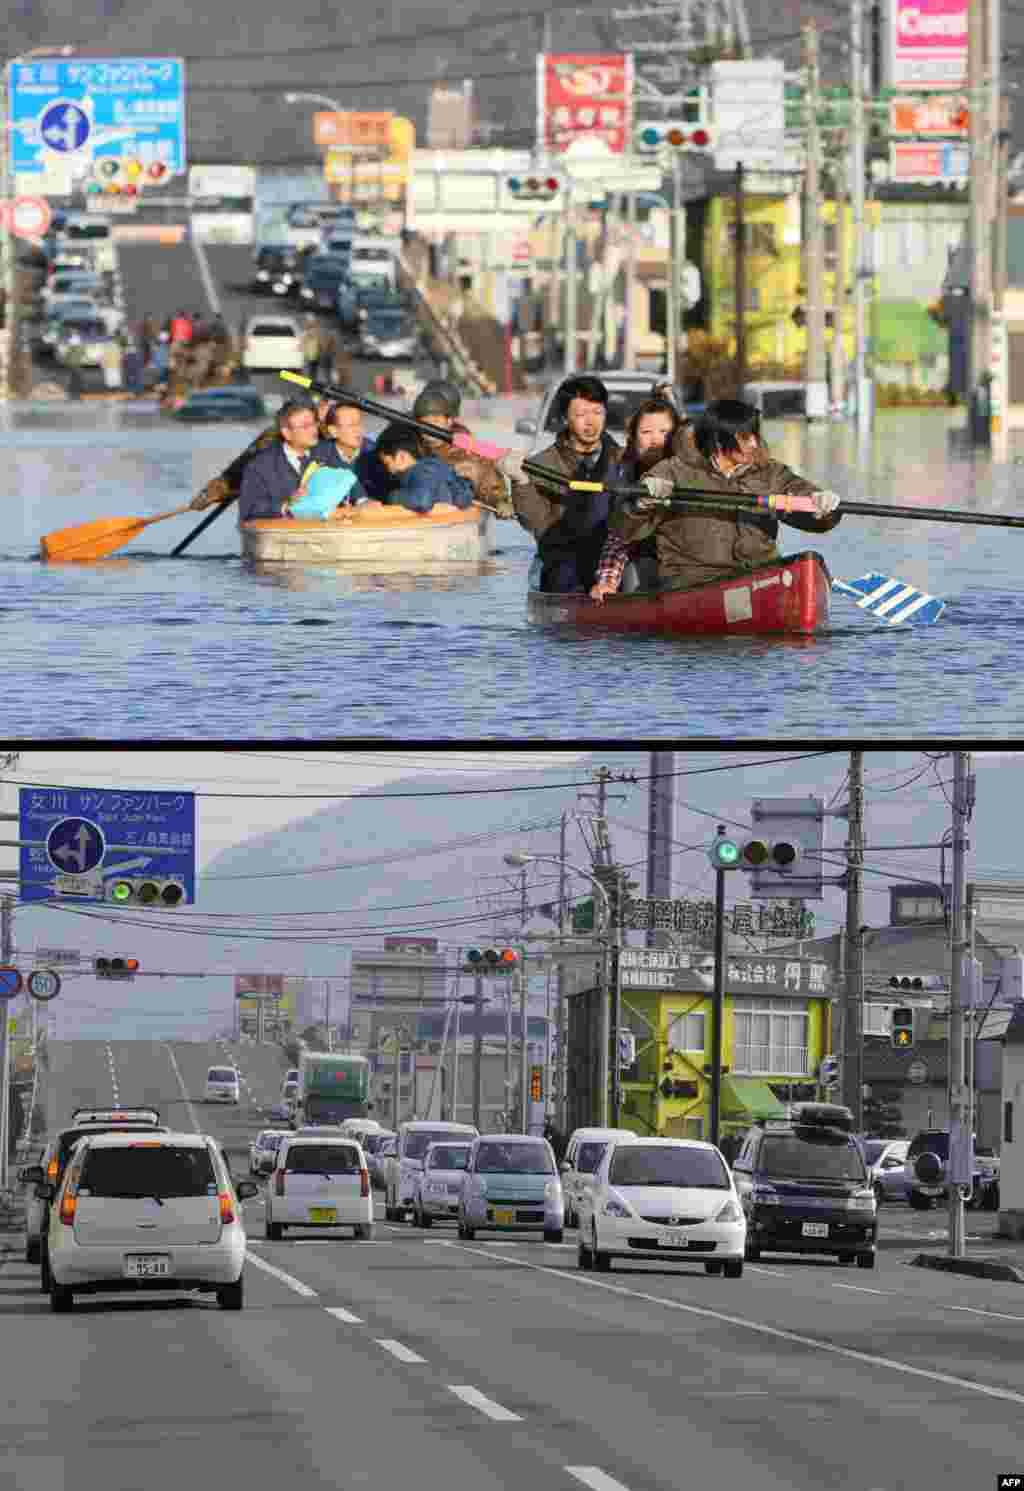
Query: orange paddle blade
{"type": "Point", "coordinates": [90, 540]}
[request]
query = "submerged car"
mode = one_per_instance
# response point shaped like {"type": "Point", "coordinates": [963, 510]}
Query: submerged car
{"type": "Point", "coordinates": [233, 402]}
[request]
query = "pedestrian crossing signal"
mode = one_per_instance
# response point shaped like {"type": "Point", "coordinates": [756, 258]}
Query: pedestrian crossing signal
{"type": "Point", "coordinates": [902, 1029]}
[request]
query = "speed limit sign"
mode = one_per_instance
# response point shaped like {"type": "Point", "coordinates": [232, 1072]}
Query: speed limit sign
{"type": "Point", "coordinates": [43, 984]}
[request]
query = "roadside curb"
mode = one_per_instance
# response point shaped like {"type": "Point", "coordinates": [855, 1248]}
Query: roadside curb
{"type": "Point", "coordinates": [977, 1268]}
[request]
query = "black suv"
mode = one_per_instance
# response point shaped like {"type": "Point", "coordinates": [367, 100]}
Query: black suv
{"type": "Point", "coordinates": [58, 1153]}
{"type": "Point", "coordinates": [804, 1186]}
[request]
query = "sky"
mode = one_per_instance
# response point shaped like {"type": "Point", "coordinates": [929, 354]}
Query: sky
{"type": "Point", "coordinates": [303, 864]}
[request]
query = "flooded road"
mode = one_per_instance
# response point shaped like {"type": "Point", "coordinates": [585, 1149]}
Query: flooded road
{"type": "Point", "coordinates": [142, 646]}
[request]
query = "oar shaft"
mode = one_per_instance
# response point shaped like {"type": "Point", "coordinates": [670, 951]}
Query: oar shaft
{"type": "Point", "coordinates": [688, 498]}
{"type": "Point", "coordinates": [175, 512]}
{"type": "Point", "coordinates": [211, 517]}
{"type": "Point", "coordinates": [931, 515]}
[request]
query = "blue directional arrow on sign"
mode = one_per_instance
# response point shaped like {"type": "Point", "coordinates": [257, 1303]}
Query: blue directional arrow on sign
{"type": "Point", "coordinates": [75, 846]}
{"type": "Point", "coordinates": [64, 127]}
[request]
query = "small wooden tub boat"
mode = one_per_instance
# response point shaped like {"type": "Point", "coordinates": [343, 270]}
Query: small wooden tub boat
{"type": "Point", "coordinates": [393, 537]}
{"type": "Point", "coordinates": [788, 596]}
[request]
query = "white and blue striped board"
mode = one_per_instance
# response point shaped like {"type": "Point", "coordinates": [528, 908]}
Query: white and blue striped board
{"type": "Point", "coordinates": [892, 601]}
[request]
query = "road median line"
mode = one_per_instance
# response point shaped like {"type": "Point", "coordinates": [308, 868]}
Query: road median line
{"type": "Point", "coordinates": [279, 1273]}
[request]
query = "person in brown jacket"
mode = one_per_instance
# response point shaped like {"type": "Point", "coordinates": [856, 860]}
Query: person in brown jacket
{"type": "Point", "coordinates": [727, 456]}
{"type": "Point", "coordinates": [434, 406]}
{"type": "Point", "coordinates": [570, 527]}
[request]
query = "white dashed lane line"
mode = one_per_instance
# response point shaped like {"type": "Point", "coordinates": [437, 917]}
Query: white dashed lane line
{"type": "Point", "coordinates": [597, 1480]}
{"type": "Point", "coordinates": [279, 1273]}
{"type": "Point", "coordinates": [344, 1315]}
{"type": "Point", "coordinates": [476, 1399]}
{"type": "Point", "coordinates": [403, 1353]}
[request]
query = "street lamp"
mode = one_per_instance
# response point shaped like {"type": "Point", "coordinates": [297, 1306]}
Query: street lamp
{"type": "Point", "coordinates": [7, 337]}
{"type": "Point", "coordinates": [609, 1025]}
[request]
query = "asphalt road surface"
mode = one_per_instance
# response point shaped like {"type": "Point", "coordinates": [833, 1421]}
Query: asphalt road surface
{"type": "Point", "coordinates": [417, 1359]}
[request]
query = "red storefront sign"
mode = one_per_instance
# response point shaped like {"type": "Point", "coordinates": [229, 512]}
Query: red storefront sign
{"type": "Point", "coordinates": [581, 95]}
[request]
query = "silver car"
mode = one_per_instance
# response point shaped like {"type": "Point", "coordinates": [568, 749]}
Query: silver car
{"type": "Point", "coordinates": [439, 1185]}
{"type": "Point", "coordinates": [377, 1158]}
{"type": "Point", "coordinates": [888, 1171]}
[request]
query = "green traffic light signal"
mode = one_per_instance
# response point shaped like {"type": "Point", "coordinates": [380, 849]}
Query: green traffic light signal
{"type": "Point", "coordinates": [724, 853]}
{"type": "Point", "coordinates": [121, 890]}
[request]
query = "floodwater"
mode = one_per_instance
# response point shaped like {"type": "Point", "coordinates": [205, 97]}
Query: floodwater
{"type": "Point", "coordinates": [145, 647]}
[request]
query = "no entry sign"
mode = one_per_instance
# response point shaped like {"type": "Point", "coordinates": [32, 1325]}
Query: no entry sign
{"type": "Point", "coordinates": [30, 217]}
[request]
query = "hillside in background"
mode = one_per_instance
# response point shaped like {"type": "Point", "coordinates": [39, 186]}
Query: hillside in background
{"type": "Point", "coordinates": [240, 64]}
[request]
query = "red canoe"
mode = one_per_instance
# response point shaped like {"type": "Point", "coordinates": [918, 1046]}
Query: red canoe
{"type": "Point", "coordinates": [789, 596]}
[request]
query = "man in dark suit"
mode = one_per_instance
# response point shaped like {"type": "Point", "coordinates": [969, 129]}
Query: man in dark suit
{"type": "Point", "coordinates": [273, 474]}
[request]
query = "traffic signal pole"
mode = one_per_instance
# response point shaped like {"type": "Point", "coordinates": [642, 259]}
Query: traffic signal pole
{"type": "Point", "coordinates": [853, 1033]}
{"type": "Point", "coordinates": [6, 954]}
{"type": "Point", "coordinates": [958, 1169]}
{"type": "Point", "coordinates": [814, 269]}
{"type": "Point", "coordinates": [718, 1006]}
{"type": "Point", "coordinates": [478, 1046]}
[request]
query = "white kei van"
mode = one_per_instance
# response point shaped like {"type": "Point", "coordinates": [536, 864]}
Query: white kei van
{"type": "Point", "coordinates": [223, 1085]}
{"type": "Point", "coordinates": [403, 1167]}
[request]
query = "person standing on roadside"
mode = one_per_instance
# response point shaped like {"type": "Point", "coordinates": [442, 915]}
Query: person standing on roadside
{"type": "Point", "coordinates": [311, 347]}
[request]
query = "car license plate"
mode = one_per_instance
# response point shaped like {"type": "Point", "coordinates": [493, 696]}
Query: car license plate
{"type": "Point", "coordinates": [815, 1229]}
{"type": "Point", "coordinates": [147, 1266]}
{"type": "Point", "coordinates": [673, 1237]}
{"type": "Point", "coordinates": [323, 1213]}
{"type": "Point", "coordinates": [505, 1218]}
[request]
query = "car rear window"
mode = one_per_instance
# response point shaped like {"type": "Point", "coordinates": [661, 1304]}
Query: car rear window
{"type": "Point", "coordinates": [164, 1170]}
{"type": "Point", "coordinates": [323, 1159]}
{"type": "Point", "coordinates": [932, 1143]}
{"type": "Point", "coordinates": [450, 1157]}
{"type": "Point", "coordinates": [811, 1155]}
{"type": "Point", "coordinates": [70, 1138]}
{"type": "Point", "coordinates": [517, 1159]}
{"type": "Point", "coordinates": [221, 1074]}
{"type": "Point", "coordinates": [588, 1157]}
{"type": "Point", "coordinates": [650, 1165]}
{"type": "Point", "coordinates": [416, 1145]}
{"type": "Point", "coordinates": [272, 329]}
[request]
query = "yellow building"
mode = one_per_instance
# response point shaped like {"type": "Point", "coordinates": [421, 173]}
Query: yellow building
{"type": "Point", "coordinates": [777, 1028]}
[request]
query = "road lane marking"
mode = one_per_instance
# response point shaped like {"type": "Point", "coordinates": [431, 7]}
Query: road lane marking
{"type": "Point", "coordinates": [760, 1328]}
{"type": "Point", "coordinates": [184, 1093]}
{"type": "Point", "coordinates": [859, 1289]}
{"type": "Point", "coordinates": [403, 1353]}
{"type": "Point", "coordinates": [996, 1313]}
{"type": "Point", "coordinates": [345, 1315]}
{"type": "Point", "coordinates": [476, 1399]}
{"type": "Point", "coordinates": [597, 1480]}
{"type": "Point", "coordinates": [279, 1273]}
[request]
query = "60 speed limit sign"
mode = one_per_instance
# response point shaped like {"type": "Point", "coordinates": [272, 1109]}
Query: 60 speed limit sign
{"type": "Point", "coordinates": [43, 984]}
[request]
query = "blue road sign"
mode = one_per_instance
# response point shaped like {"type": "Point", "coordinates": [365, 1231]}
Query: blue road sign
{"type": "Point", "coordinates": [150, 834]}
{"type": "Point", "coordinates": [74, 846]}
{"type": "Point", "coordinates": [10, 982]}
{"type": "Point", "coordinates": [118, 108]}
{"type": "Point", "coordinates": [64, 127]}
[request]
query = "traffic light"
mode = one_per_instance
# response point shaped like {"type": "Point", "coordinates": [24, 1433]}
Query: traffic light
{"type": "Point", "coordinates": [536, 1084]}
{"type": "Point", "coordinates": [918, 981]}
{"type": "Point", "coordinates": [156, 891]}
{"type": "Point", "coordinates": [785, 855]}
{"type": "Point", "coordinates": [627, 1049]}
{"type": "Point", "coordinates": [539, 188]}
{"type": "Point", "coordinates": [650, 137]}
{"type": "Point", "coordinates": [902, 1028]}
{"type": "Point", "coordinates": [724, 852]}
{"type": "Point", "coordinates": [491, 960]}
{"type": "Point", "coordinates": [115, 967]}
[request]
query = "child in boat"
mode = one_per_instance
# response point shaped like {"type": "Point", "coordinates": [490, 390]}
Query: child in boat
{"type": "Point", "coordinates": [325, 492]}
{"type": "Point", "coordinates": [422, 481]}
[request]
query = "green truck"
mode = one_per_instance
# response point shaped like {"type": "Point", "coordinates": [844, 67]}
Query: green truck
{"type": "Point", "coordinates": [332, 1087]}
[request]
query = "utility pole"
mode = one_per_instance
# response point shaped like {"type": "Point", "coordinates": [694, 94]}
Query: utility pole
{"type": "Point", "coordinates": [454, 1113]}
{"type": "Point", "coordinates": [524, 1072]}
{"type": "Point", "coordinates": [675, 259]}
{"type": "Point", "coordinates": [1000, 122]}
{"type": "Point", "coordinates": [740, 285]}
{"type": "Point", "coordinates": [508, 1056]}
{"type": "Point", "coordinates": [979, 199]}
{"type": "Point", "coordinates": [660, 805]}
{"type": "Point", "coordinates": [861, 270]}
{"type": "Point", "coordinates": [396, 1077]}
{"type": "Point", "coordinates": [629, 324]}
{"type": "Point", "coordinates": [562, 1065]}
{"type": "Point", "coordinates": [478, 1046]}
{"type": "Point", "coordinates": [817, 391]}
{"type": "Point", "coordinates": [853, 1035]}
{"type": "Point", "coordinates": [8, 336]}
{"type": "Point", "coordinates": [6, 954]}
{"type": "Point", "coordinates": [961, 1145]}
{"type": "Point", "coordinates": [838, 367]}
{"type": "Point", "coordinates": [570, 284]}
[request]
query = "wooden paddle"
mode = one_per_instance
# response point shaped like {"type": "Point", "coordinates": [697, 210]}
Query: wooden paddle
{"type": "Point", "coordinates": [95, 540]}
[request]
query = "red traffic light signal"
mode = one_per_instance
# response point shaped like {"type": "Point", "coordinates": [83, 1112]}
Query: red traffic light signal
{"type": "Point", "coordinates": [156, 170]}
{"type": "Point", "coordinates": [491, 959]}
{"type": "Point", "coordinates": [115, 967]}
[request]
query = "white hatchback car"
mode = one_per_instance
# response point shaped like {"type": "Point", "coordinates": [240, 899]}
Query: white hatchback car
{"type": "Point", "coordinates": [273, 342]}
{"type": "Point", "coordinates": [147, 1211]}
{"type": "Point", "coordinates": [319, 1180]}
{"type": "Point", "coordinates": [223, 1085]}
{"type": "Point", "coordinates": [663, 1200]}
{"type": "Point", "coordinates": [582, 1157]}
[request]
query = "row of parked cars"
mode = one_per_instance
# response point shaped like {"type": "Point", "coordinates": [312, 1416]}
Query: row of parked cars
{"type": "Point", "coordinates": [80, 294]}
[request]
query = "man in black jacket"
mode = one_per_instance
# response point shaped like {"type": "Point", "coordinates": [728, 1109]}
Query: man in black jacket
{"type": "Point", "coordinates": [274, 474]}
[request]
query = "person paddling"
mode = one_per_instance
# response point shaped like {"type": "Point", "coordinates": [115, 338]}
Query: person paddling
{"type": "Point", "coordinates": [727, 456]}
